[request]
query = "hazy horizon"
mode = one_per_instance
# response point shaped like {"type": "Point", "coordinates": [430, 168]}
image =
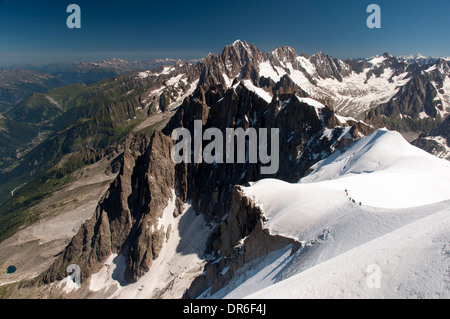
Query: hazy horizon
{"type": "Point", "coordinates": [89, 57]}
{"type": "Point", "coordinates": [36, 32]}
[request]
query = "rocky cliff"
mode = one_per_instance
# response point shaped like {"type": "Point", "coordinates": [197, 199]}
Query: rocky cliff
{"type": "Point", "coordinates": [126, 218]}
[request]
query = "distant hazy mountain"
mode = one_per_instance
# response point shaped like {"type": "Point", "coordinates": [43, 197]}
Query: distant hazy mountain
{"type": "Point", "coordinates": [420, 59]}
{"type": "Point", "coordinates": [89, 72]}
{"type": "Point", "coordinates": [17, 84]}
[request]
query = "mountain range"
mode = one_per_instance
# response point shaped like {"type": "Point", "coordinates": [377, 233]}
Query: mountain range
{"type": "Point", "coordinates": [152, 229]}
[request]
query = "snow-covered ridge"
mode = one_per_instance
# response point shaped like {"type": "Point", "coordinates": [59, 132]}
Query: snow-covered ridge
{"type": "Point", "coordinates": [419, 59]}
{"type": "Point", "coordinates": [380, 170]}
{"type": "Point", "coordinates": [409, 262]}
{"type": "Point", "coordinates": [383, 205]}
{"type": "Point", "coordinates": [260, 92]}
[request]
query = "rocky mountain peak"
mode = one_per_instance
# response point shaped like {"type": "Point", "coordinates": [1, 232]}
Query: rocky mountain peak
{"type": "Point", "coordinates": [285, 54]}
{"type": "Point", "coordinates": [241, 53]}
{"type": "Point", "coordinates": [328, 67]}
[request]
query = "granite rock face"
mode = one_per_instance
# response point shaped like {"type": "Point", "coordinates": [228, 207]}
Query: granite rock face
{"type": "Point", "coordinates": [438, 142]}
{"type": "Point", "coordinates": [241, 239]}
{"type": "Point", "coordinates": [126, 217]}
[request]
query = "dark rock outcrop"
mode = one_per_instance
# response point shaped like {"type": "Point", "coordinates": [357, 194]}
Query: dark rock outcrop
{"type": "Point", "coordinates": [126, 217]}
{"type": "Point", "coordinates": [436, 143]}
{"type": "Point", "coordinates": [242, 238]}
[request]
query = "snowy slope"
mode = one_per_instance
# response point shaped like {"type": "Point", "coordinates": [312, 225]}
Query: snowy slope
{"type": "Point", "coordinates": [413, 262]}
{"type": "Point", "coordinates": [179, 262]}
{"type": "Point", "coordinates": [399, 234]}
{"type": "Point", "coordinates": [353, 94]}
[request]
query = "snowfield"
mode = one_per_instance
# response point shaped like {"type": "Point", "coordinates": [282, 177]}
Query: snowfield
{"type": "Point", "coordinates": [374, 222]}
{"type": "Point", "coordinates": [353, 95]}
{"type": "Point", "coordinates": [412, 262]}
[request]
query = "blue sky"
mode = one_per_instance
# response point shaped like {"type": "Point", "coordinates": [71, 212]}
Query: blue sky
{"type": "Point", "coordinates": [36, 31]}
